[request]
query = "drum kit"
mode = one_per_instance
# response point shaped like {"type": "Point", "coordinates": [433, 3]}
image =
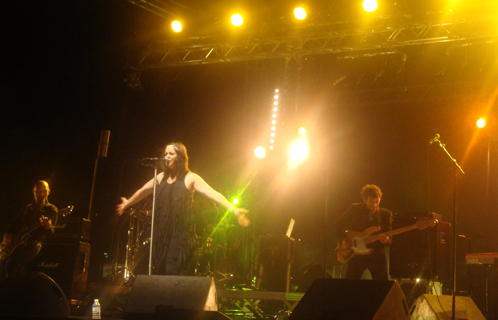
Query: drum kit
{"type": "Point", "coordinates": [216, 254]}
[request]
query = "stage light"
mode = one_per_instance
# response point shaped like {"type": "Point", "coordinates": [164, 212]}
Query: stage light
{"type": "Point", "coordinates": [301, 131]}
{"type": "Point", "coordinates": [272, 134]}
{"type": "Point", "coordinates": [299, 151]}
{"type": "Point", "coordinates": [273, 121]}
{"type": "Point", "coordinates": [370, 5]}
{"type": "Point", "coordinates": [176, 26]}
{"type": "Point", "coordinates": [237, 20]}
{"type": "Point", "coordinates": [481, 123]}
{"type": "Point", "coordinates": [275, 103]}
{"type": "Point", "coordinates": [274, 115]}
{"type": "Point", "coordinates": [235, 200]}
{"type": "Point", "coordinates": [300, 13]}
{"type": "Point", "coordinates": [276, 90]}
{"type": "Point", "coordinates": [260, 152]}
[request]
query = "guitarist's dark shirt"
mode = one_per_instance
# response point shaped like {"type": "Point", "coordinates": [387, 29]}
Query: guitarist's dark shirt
{"type": "Point", "coordinates": [358, 218]}
{"type": "Point", "coordinates": [31, 218]}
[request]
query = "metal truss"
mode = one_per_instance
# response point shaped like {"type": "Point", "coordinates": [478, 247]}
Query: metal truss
{"type": "Point", "coordinates": [341, 39]}
{"type": "Point", "coordinates": [162, 8]}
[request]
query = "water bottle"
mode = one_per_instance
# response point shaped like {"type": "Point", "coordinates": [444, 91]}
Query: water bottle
{"type": "Point", "coordinates": [96, 309]}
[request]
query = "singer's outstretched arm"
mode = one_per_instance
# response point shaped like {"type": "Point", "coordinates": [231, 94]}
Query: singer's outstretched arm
{"type": "Point", "coordinates": [195, 182]}
{"type": "Point", "coordinates": [138, 195]}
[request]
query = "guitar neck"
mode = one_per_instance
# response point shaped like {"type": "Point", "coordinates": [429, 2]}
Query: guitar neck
{"type": "Point", "coordinates": [36, 226]}
{"type": "Point", "coordinates": [376, 237]}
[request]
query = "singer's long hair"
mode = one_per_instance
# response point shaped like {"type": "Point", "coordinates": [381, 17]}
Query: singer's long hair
{"type": "Point", "coordinates": [181, 159]}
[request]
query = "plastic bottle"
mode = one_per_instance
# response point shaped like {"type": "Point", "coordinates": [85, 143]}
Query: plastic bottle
{"type": "Point", "coordinates": [96, 309]}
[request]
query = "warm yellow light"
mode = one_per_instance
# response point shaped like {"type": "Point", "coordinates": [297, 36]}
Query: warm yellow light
{"type": "Point", "coordinates": [237, 20]}
{"type": "Point", "coordinates": [300, 13]}
{"type": "Point", "coordinates": [260, 152]}
{"type": "Point", "coordinates": [276, 90]}
{"type": "Point", "coordinates": [272, 141]}
{"type": "Point", "coordinates": [274, 121]}
{"type": "Point", "coordinates": [275, 96]}
{"type": "Point", "coordinates": [481, 123]}
{"type": "Point", "coordinates": [272, 134]}
{"type": "Point", "coordinates": [273, 128]}
{"type": "Point", "coordinates": [370, 5]}
{"type": "Point", "coordinates": [235, 200]}
{"type": "Point", "coordinates": [271, 147]}
{"type": "Point", "coordinates": [176, 26]}
{"type": "Point", "coordinates": [302, 131]}
{"type": "Point", "coordinates": [274, 115]}
{"type": "Point", "coordinates": [275, 109]}
{"type": "Point", "coordinates": [299, 151]}
{"type": "Point", "coordinates": [275, 103]}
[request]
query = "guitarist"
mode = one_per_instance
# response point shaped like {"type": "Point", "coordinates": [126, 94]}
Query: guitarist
{"type": "Point", "coordinates": [34, 213]}
{"type": "Point", "coordinates": [359, 217]}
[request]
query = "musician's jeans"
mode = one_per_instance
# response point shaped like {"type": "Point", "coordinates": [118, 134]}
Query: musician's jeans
{"type": "Point", "coordinates": [376, 263]}
{"type": "Point", "coordinates": [14, 265]}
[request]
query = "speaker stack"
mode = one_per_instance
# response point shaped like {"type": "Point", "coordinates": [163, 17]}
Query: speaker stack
{"type": "Point", "coordinates": [423, 253]}
{"type": "Point", "coordinates": [65, 257]}
{"type": "Point", "coordinates": [173, 297]}
{"type": "Point", "coordinates": [439, 307]}
{"type": "Point", "coordinates": [352, 300]}
{"type": "Point", "coordinates": [275, 259]}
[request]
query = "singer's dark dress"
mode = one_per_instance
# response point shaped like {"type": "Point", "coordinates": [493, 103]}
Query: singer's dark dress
{"type": "Point", "coordinates": [174, 228]}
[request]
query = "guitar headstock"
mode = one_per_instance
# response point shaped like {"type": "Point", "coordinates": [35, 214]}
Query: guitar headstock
{"type": "Point", "coordinates": [422, 224]}
{"type": "Point", "coordinates": [64, 212]}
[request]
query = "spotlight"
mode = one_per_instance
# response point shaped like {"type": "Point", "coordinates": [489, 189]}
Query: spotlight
{"type": "Point", "coordinates": [237, 20]}
{"type": "Point", "coordinates": [299, 151]}
{"type": "Point", "coordinates": [235, 200]}
{"type": "Point", "coordinates": [300, 13]}
{"type": "Point", "coordinates": [370, 5]}
{"type": "Point", "coordinates": [260, 152]}
{"type": "Point", "coordinates": [176, 26]}
{"type": "Point", "coordinates": [481, 123]}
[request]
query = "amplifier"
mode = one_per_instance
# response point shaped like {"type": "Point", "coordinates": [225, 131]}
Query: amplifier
{"type": "Point", "coordinates": [276, 254]}
{"type": "Point", "coordinates": [66, 264]}
{"type": "Point", "coordinates": [71, 230]}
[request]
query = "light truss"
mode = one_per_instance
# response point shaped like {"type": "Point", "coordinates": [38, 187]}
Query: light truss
{"type": "Point", "coordinates": [162, 8]}
{"type": "Point", "coordinates": [319, 40]}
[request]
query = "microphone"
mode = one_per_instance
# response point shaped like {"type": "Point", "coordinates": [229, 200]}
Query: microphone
{"type": "Point", "coordinates": [152, 162]}
{"type": "Point", "coordinates": [435, 138]}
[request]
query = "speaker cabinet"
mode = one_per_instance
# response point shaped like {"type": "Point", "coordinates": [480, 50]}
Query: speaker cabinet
{"type": "Point", "coordinates": [66, 264]}
{"type": "Point", "coordinates": [172, 297]}
{"type": "Point", "coordinates": [32, 295]}
{"type": "Point", "coordinates": [439, 307]}
{"type": "Point", "coordinates": [275, 258]}
{"type": "Point", "coordinates": [420, 253]}
{"type": "Point", "coordinates": [352, 300]}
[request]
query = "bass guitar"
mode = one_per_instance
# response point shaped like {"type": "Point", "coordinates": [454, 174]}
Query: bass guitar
{"type": "Point", "coordinates": [361, 240]}
{"type": "Point", "coordinates": [7, 249]}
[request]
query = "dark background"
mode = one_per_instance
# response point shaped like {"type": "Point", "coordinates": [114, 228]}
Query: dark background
{"type": "Point", "coordinates": [62, 83]}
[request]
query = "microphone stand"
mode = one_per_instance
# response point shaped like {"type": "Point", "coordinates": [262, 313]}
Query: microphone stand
{"type": "Point", "coordinates": [155, 164]}
{"type": "Point", "coordinates": [456, 169]}
{"type": "Point", "coordinates": [152, 218]}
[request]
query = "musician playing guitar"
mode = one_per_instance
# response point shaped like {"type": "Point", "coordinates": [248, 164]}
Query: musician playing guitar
{"type": "Point", "coordinates": [366, 217]}
{"type": "Point", "coordinates": [35, 214]}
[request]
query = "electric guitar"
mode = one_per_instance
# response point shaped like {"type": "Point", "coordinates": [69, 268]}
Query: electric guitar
{"type": "Point", "coordinates": [7, 249]}
{"type": "Point", "coordinates": [361, 240]}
